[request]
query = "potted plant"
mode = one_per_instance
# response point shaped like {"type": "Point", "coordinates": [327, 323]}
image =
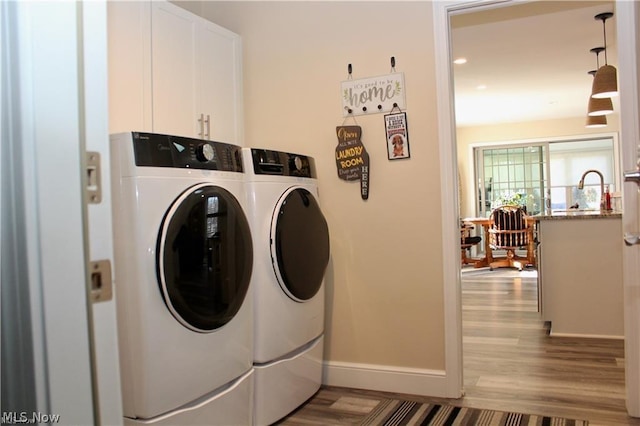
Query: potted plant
{"type": "Point", "coordinates": [509, 198]}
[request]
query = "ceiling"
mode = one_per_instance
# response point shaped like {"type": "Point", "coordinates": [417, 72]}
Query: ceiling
{"type": "Point", "coordinates": [533, 58]}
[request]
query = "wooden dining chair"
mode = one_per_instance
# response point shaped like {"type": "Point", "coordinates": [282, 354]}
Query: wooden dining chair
{"type": "Point", "coordinates": [466, 242]}
{"type": "Point", "coordinates": [509, 230]}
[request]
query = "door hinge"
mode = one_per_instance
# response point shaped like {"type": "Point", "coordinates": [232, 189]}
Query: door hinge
{"type": "Point", "coordinates": [94, 180]}
{"type": "Point", "coordinates": [101, 285]}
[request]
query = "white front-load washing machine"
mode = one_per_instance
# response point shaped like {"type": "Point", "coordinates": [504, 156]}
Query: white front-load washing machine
{"type": "Point", "coordinates": [291, 253]}
{"type": "Point", "coordinates": [183, 264]}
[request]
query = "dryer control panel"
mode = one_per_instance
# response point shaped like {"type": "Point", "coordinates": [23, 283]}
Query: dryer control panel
{"type": "Point", "coordinates": [157, 150]}
{"type": "Point", "coordinates": [268, 162]}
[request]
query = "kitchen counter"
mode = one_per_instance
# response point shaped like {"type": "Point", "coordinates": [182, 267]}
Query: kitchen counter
{"type": "Point", "coordinates": [580, 272]}
{"type": "Point", "coordinates": [578, 214]}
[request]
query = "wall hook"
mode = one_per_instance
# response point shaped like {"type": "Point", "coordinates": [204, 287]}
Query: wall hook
{"type": "Point", "coordinates": [349, 70]}
{"type": "Point", "coordinates": [393, 64]}
{"type": "Point", "coordinates": [395, 107]}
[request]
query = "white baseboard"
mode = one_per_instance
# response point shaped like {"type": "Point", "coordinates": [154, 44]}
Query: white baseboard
{"type": "Point", "coordinates": [414, 381]}
{"type": "Point", "coordinates": [586, 336]}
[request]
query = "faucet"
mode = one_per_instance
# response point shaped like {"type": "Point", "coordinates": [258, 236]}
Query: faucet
{"type": "Point", "coordinates": [581, 186]}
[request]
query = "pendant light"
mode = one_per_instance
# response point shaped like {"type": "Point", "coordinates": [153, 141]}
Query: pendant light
{"type": "Point", "coordinates": [598, 106]}
{"type": "Point", "coordinates": [595, 121]}
{"type": "Point", "coordinates": [605, 83]}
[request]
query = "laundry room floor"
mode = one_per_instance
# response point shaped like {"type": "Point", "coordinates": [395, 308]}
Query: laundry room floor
{"type": "Point", "coordinates": [510, 363]}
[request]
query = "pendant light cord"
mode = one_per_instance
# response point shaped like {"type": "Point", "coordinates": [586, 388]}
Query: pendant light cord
{"type": "Point", "coordinates": [604, 33]}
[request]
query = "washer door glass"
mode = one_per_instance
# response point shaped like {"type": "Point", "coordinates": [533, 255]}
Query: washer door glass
{"type": "Point", "coordinates": [204, 257]}
{"type": "Point", "coordinates": [299, 244]}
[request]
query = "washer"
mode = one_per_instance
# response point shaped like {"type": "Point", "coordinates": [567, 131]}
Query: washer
{"type": "Point", "coordinates": [291, 253]}
{"type": "Point", "coordinates": [183, 264]}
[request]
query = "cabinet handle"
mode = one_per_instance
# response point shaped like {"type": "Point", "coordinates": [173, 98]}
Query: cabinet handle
{"type": "Point", "coordinates": [201, 123]}
{"type": "Point", "coordinates": [632, 176]}
{"type": "Point", "coordinates": [208, 121]}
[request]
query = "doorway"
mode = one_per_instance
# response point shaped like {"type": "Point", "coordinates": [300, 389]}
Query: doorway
{"type": "Point", "coordinates": [447, 133]}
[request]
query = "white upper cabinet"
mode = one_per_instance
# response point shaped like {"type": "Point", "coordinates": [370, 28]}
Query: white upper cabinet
{"type": "Point", "coordinates": [129, 59]}
{"type": "Point", "coordinates": [220, 94]}
{"type": "Point", "coordinates": [174, 70]}
{"type": "Point", "coordinates": [194, 74]}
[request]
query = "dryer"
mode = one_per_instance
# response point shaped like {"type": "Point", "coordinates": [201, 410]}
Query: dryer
{"type": "Point", "coordinates": [183, 264]}
{"type": "Point", "coordinates": [291, 253]}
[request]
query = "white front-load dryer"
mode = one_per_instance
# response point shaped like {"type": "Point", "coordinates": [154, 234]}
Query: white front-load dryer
{"type": "Point", "coordinates": [291, 253]}
{"type": "Point", "coordinates": [183, 263]}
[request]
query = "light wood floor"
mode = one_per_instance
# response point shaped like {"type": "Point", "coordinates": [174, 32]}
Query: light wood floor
{"type": "Point", "coordinates": [510, 363]}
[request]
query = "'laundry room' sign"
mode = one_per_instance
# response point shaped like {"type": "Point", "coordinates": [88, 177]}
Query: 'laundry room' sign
{"type": "Point", "coordinates": [352, 159]}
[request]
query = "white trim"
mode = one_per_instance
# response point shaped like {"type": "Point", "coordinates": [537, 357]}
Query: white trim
{"type": "Point", "coordinates": [99, 233]}
{"type": "Point", "coordinates": [461, 7]}
{"type": "Point", "coordinates": [385, 378]}
{"type": "Point", "coordinates": [449, 198]}
{"type": "Point", "coordinates": [449, 203]}
{"type": "Point", "coordinates": [579, 137]}
{"type": "Point", "coordinates": [627, 18]}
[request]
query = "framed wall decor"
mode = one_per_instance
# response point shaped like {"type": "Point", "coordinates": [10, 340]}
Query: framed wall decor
{"type": "Point", "coordinates": [397, 136]}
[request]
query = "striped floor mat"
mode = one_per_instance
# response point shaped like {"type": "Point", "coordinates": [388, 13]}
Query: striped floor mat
{"type": "Point", "coordinates": [396, 412]}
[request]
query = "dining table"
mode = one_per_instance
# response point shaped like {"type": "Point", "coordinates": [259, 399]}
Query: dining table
{"type": "Point", "coordinates": [485, 223]}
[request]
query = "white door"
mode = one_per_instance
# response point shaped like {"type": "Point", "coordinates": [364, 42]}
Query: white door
{"type": "Point", "coordinates": [56, 95]}
{"type": "Point", "coordinates": [628, 25]}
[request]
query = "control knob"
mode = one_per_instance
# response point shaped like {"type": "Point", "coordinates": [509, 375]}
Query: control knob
{"type": "Point", "coordinates": [295, 163]}
{"type": "Point", "coordinates": [205, 152]}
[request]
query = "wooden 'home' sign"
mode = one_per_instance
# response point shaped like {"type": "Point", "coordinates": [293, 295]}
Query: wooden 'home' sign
{"type": "Point", "coordinates": [373, 95]}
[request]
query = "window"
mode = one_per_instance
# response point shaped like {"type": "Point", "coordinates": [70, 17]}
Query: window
{"type": "Point", "coordinates": [514, 171]}
{"type": "Point", "coordinates": [545, 173]}
{"type": "Point", "coordinates": [569, 160]}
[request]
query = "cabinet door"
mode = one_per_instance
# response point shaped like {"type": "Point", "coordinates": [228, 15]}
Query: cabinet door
{"type": "Point", "coordinates": [174, 33]}
{"type": "Point", "coordinates": [129, 43]}
{"type": "Point", "coordinates": [220, 82]}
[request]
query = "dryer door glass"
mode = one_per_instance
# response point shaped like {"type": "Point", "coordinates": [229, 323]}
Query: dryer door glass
{"type": "Point", "coordinates": [299, 244]}
{"type": "Point", "coordinates": [204, 257]}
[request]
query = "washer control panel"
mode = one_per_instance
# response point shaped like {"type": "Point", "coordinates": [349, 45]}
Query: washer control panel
{"type": "Point", "coordinates": [157, 150]}
{"type": "Point", "coordinates": [269, 162]}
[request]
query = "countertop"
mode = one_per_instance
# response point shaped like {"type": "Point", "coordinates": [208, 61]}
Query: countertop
{"type": "Point", "coordinates": [579, 215]}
